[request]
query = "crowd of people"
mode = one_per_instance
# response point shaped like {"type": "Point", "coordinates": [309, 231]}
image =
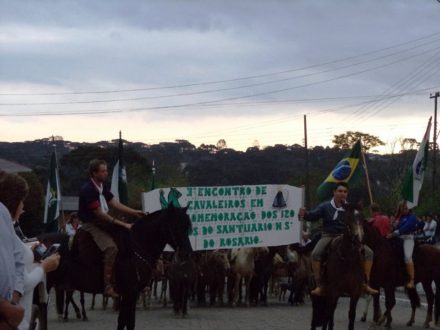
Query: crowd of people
{"type": "Point", "coordinates": [22, 270]}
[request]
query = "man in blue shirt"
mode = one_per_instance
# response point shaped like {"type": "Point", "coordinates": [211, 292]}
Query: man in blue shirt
{"type": "Point", "coordinates": [332, 213]}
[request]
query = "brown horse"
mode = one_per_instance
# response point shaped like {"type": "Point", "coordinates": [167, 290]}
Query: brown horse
{"type": "Point", "coordinates": [343, 274]}
{"type": "Point", "coordinates": [388, 272]}
{"type": "Point", "coordinates": [139, 249]}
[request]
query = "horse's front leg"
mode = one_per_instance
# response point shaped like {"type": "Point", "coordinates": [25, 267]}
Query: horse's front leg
{"type": "Point", "coordinates": [69, 299]}
{"type": "Point", "coordinates": [83, 307]}
{"type": "Point", "coordinates": [237, 289]}
{"type": "Point", "coordinates": [352, 312]}
{"type": "Point", "coordinates": [367, 299]}
{"type": "Point", "coordinates": [415, 300]}
{"type": "Point", "coordinates": [430, 299]}
{"type": "Point", "coordinates": [247, 281]}
{"type": "Point", "coordinates": [390, 302]}
{"type": "Point", "coordinates": [331, 316]}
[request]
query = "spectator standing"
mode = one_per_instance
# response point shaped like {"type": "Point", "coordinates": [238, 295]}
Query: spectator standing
{"type": "Point", "coordinates": [430, 229]}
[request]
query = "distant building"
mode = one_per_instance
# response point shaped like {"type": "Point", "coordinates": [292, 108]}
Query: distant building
{"type": "Point", "coordinates": [12, 167]}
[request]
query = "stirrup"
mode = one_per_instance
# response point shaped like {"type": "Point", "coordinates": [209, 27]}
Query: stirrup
{"type": "Point", "coordinates": [109, 291]}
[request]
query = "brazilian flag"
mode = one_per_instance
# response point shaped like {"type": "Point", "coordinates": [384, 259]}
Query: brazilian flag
{"type": "Point", "coordinates": [345, 171]}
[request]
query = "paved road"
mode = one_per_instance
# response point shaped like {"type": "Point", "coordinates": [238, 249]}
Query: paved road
{"type": "Point", "coordinates": [277, 316]}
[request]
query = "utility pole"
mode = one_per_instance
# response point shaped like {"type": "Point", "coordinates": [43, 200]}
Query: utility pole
{"type": "Point", "coordinates": [434, 96]}
{"type": "Point", "coordinates": [306, 150]}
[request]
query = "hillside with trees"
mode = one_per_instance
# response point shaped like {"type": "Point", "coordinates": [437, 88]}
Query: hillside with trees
{"type": "Point", "coordinates": [180, 163]}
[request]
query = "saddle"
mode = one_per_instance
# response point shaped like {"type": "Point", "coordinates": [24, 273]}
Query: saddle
{"type": "Point", "coordinates": [87, 256]}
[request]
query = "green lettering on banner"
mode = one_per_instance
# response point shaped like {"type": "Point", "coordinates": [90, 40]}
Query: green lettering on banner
{"type": "Point", "coordinates": [257, 203]}
{"type": "Point", "coordinates": [260, 190]}
{"type": "Point", "coordinates": [208, 243]}
{"type": "Point", "coordinates": [278, 226]}
{"type": "Point", "coordinates": [239, 241]}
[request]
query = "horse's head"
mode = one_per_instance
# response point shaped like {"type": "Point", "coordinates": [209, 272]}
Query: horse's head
{"type": "Point", "coordinates": [354, 221]}
{"type": "Point", "coordinates": [176, 228]}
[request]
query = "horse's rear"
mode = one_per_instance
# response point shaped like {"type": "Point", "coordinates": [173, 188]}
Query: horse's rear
{"type": "Point", "coordinates": [427, 270]}
{"type": "Point", "coordinates": [181, 275]}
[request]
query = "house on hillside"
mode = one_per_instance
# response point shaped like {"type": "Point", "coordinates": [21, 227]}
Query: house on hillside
{"type": "Point", "coordinates": [12, 167]}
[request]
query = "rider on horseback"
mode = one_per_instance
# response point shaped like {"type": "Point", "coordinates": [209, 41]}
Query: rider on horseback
{"type": "Point", "coordinates": [407, 223]}
{"type": "Point", "coordinates": [94, 201]}
{"type": "Point", "coordinates": [332, 214]}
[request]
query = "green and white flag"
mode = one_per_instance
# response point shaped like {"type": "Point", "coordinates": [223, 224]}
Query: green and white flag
{"type": "Point", "coordinates": [412, 183]}
{"type": "Point", "coordinates": [153, 177]}
{"type": "Point", "coordinates": [53, 195]}
{"type": "Point", "coordinates": [119, 177]}
{"type": "Point", "coordinates": [344, 171]}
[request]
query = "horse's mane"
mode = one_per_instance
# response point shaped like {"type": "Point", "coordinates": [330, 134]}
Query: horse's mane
{"type": "Point", "coordinates": [164, 215]}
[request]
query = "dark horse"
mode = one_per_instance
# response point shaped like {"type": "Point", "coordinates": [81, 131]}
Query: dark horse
{"type": "Point", "coordinates": [139, 250]}
{"type": "Point", "coordinates": [389, 271]}
{"type": "Point", "coordinates": [343, 274]}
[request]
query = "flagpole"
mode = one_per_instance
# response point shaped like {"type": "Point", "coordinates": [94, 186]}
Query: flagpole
{"type": "Point", "coordinates": [58, 185]}
{"type": "Point", "coordinates": [367, 177]}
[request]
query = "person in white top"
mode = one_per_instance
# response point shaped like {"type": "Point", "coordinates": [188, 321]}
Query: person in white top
{"type": "Point", "coordinates": [13, 192]}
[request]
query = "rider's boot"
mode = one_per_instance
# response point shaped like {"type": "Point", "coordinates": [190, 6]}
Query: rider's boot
{"type": "Point", "coordinates": [318, 291]}
{"type": "Point", "coordinates": [410, 270]}
{"type": "Point", "coordinates": [368, 264]}
{"type": "Point", "coordinates": [109, 290]}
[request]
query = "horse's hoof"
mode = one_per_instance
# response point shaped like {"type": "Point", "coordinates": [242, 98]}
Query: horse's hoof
{"type": "Point", "coordinates": [363, 318]}
{"type": "Point", "coordinates": [409, 323]}
{"type": "Point", "coordinates": [372, 326]}
{"type": "Point", "coordinates": [426, 325]}
{"type": "Point", "coordinates": [85, 319]}
{"type": "Point", "coordinates": [381, 320]}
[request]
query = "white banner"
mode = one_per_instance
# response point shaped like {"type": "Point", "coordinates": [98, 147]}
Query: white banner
{"type": "Point", "coordinates": [235, 216]}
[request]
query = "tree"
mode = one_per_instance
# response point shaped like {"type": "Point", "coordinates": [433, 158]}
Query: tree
{"type": "Point", "coordinates": [408, 144]}
{"type": "Point", "coordinates": [221, 144]}
{"type": "Point", "coordinates": [346, 140]}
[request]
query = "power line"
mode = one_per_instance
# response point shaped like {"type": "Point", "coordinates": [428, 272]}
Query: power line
{"type": "Point", "coordinates": [228, 80]}
{"type": "Point", "coordinates": [221, 89]}
{"type": "Point", "coordinates": [172, 107]}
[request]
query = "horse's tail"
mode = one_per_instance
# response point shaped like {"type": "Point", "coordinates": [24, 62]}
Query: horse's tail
{"type": "Point", "coordinates": [413, 297]}
{"type": "Point", "coordinates": [437, 303]}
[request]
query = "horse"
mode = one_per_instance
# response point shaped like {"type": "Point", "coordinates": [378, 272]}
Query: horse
{"type": "Point", "coordinates": [141, 247]}
{"type": "Point", "coordinates": [388, 272]}
{"type": "Point", "coordinates": [302, 275]}
{"type": "Point", "coordinates": [343, 273]}
{"type": "Point", "coordinates": [181, 276]}
{"type": "Point", "coordinates": [242, 267]}
{"type": "Point", "coordinates": [217, 268]}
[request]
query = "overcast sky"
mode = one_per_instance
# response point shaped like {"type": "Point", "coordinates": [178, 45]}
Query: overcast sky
{"type": "Point", "coordinates": [244, 71]}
